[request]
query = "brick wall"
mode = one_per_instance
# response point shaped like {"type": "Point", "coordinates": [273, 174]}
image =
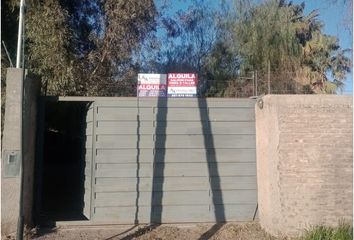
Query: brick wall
{"type": "Point", "coordinates": [304, 161]}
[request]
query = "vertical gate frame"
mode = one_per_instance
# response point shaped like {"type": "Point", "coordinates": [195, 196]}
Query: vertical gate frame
{"type": "Point", "coordinates": [93, 160]}
{"type": "Point", "coordinates": [42, 100]}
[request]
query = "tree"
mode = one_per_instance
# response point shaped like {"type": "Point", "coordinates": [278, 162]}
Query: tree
{"type": "Point", "coordinates": [279, 33]}
{"type": "Point", "coordinates": [48, 47]}
{"type": "Point", "coordinates": [325, 64]}
{"type": "Point", "coordinates": [186, 41]}
{"type": "Point", "coordinates": [186, 38]}
{"type": "Point", "coordinates": [86, 47]}
{"type": "Point", "coordinates": [95, 47]}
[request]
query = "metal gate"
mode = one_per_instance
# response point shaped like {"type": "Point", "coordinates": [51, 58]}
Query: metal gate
{"type": "Point", "coordinates": [170, 160]}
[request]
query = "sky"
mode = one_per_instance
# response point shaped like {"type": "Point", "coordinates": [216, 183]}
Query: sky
{"type": "Point", "coordinates": [332, 13]}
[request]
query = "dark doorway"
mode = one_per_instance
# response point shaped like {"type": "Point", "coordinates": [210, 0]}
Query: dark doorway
{"type": "Point", "coordinates": [62, 170]}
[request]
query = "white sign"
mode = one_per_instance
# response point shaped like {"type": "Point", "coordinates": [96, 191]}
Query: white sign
{"type": "Point", "coordinates": [151, 78]}
{"type": "Point", "coordinates": [151, 85]}
{"type": "Point", "coordinates": [182, 85]}
{"type": "Point", "coordinates": [187, 90]}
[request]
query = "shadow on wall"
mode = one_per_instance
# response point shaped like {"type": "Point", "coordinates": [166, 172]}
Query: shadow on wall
{"type": "Point", "coordinates": [136, 217]}
{"type": "Point", "coordinates": [158, 171]}
{"type": "Point", "coordinates": [214, 177]}
{"type": "Point", "coordinates": [156, 211]}
{"type": "Point", "coordinates": [159, 161]}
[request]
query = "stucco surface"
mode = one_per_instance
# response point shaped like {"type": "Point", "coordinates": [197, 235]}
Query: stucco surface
{"type": "Point", "coordinates": [304, 161]}
{"type": "Point", "coordinates": [10, 186]}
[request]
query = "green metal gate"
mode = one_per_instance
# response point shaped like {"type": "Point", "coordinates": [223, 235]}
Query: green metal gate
{"type": "Point", "coordinates": [170, 160]}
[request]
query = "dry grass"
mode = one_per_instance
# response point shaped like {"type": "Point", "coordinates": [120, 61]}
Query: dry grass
{"type": "Point", "coordinates": [246, 231]}
{"type": "Point", "coordinates": [229, 231]}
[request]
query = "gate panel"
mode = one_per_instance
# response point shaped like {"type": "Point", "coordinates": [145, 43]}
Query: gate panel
{"type": "Point", "coordinates": [202, 153]}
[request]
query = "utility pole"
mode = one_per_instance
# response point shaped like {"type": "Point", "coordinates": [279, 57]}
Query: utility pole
{"type": "Point", "coordinates": [20, 31]}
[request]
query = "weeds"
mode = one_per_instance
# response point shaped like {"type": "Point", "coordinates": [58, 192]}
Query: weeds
{"type": "Point", "coordinates": [342, 232]}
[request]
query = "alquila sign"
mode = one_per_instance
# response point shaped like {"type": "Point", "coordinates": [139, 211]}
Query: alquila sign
{"type": "Point", "coordinates": [171, 85]}
{"type": "Point", "coordinates": [182, 85]}
{"type": "Point", "coordinates": [151, 85]}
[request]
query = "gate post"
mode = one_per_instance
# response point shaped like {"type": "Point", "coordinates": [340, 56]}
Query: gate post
{"type": "Point", "coordinates": [11, 149]}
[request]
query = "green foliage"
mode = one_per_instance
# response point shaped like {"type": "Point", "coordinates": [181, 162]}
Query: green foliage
{"type": "Point", "coordinates": [95, 47]}
{"type": "Point", "coordinates": [278, 33]}
{"type": "Point", "coordinates": [186, 41]}
{"type": "Point", "coordinates": [127, 24]}
{"type": "Point", "coordinates": [341, 232]}
{"type": "Point", "coordinates": [223, 46]}
{"type": "Point", "coordinates": [265, 34]}
{"type": "Point", "coordinates": [49, 56]}
{"type": "Point", "coordinates": [85, 47]}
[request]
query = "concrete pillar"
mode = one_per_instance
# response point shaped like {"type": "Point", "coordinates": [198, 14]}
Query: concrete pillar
{"type": "Point", "coordinates": [11, 149]}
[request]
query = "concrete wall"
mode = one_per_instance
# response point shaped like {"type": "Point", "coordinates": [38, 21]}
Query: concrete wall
{"type": "Point", "coordinates": [304, 161]}
{"type": "Point", "coordinates": [10, 179]}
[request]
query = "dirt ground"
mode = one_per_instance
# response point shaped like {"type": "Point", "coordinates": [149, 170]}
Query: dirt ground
{"type": "Point", "coordinates": [245, 231]}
